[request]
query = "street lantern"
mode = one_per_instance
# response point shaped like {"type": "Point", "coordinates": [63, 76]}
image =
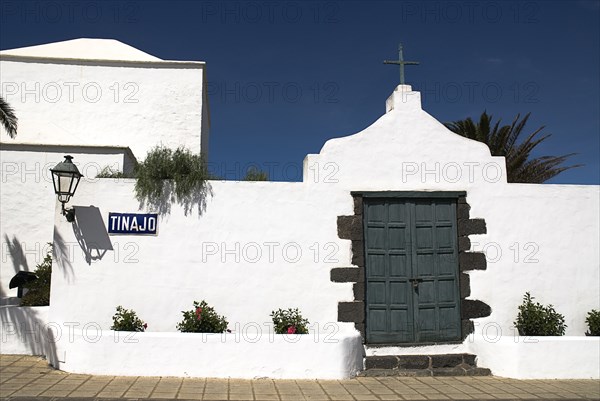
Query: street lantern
{"type": "Point", "coordinates": [65, 178]}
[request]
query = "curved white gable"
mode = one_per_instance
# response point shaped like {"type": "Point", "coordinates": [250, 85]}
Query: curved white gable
{"type": "Point", "coordinates": [408, 148]}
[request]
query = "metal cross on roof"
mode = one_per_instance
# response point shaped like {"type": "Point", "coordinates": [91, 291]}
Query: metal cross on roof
{"type": "Point", "coordinates": [401, 63]}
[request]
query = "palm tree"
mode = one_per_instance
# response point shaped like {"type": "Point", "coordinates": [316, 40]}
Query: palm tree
{"type": "Point", "coordinates": [8, 118]}
{"type": "Point", "coordinates": [502, 141]}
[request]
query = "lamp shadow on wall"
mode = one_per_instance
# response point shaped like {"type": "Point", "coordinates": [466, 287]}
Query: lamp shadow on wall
{"type": "Point", "coordinates": [162, 203]}
{"type": "Point", "coordinates": [91, 233]}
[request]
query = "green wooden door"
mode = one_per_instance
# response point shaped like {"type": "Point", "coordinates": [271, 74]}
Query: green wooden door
{"type": "Point", "coordinates": [412, 270]}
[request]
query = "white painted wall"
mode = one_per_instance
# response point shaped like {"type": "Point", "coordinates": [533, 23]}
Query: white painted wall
{"type": "Point", "coordinates": [27, 199]}
{"type": "Point", "coordinates": [542, 239]}
{"type": "Point", "coordinates": [250, 252]}
{"type": "Point", "coordinates": [105, 102]}
{"type": "Point", "coordinates": [194, 256]}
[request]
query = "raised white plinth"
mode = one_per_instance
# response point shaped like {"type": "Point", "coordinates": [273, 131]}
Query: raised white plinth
{"type": "Point", "coordinates": [568, 357]}
{"type": "Point", "coordinates": [247, 356]}
{"type": "Point", "coordinates": [23, 330]}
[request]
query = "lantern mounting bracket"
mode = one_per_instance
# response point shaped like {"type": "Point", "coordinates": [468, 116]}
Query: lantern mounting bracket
{"type": "Point", "coordinates": [68, 213]}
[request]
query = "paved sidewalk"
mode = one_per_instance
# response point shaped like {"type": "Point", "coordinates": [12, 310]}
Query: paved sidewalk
{"type": "Point", "coordinates": [30, 378]}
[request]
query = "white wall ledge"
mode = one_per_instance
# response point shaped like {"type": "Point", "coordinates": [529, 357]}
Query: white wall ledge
{"type": "Point", "coordinates": [23, 329]}
{"type": "Point", "coordinates": [310, 356]}
{"type": "Point", "coordinates": [567, 357]}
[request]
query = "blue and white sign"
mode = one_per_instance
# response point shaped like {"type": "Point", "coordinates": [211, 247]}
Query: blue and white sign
{"type": "Point", "coordinates": [132, 223]}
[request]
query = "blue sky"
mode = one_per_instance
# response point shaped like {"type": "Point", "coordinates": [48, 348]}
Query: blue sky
{"type": "Point", "coordinates": [286, 76]}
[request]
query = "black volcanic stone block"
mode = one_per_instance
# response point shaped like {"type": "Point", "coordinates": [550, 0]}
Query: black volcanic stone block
{"type": "Point", "coordinates": [350, 227]}
{"type": "Point", "coordinates": [472, 261]}
{"type": "Point", "coordinates": [381, 362]}
{"type": "Point", "coordinates": [413, 362]}
{"type": "Point", "coordinates": [446, 361]}
{"type": "Point", "coordinates": [351, 312]}
{"type": "Point", "coordinates": [345, 275]}
{"type": "Point", "coordinates": [471, 226]}
{"type": "Point", "coordinates": [472, 309]}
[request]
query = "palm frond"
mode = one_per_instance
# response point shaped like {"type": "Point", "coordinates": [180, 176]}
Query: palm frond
{"type": "Point", "coordinates": [503, 140]}
{"type": "Point", "coordinates": [8, 119]}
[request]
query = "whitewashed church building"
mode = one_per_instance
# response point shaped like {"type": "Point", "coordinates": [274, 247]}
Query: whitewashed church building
{"type": "Point", "coordinates": [403, 245]}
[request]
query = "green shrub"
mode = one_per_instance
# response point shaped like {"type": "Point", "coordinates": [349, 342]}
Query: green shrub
{"type": "Point", "coordinates": [254, 174]}
{"type": "Point", "coordinates": [289, 321]}
{"type": "Point", "coordinates": [39, 290]}
{"type": "Point", "coordinates": [187, 172]}
{"type": "Point", "coordinates": [593, 322]}
{"type": "Point", "coordinates": [202, 319]}
{"type": "Point", "coordinates": [108, 172]}
{"type": "Point", "coordinates": [535, 319]}
{"type": "Point", "coordinates": [127, 320]}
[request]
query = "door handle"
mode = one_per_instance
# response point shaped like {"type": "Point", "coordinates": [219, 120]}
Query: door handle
{"type": "Point", "coordinates": [415, 282]}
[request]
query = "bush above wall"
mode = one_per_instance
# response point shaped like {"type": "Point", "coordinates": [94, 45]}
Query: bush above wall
{"type": "Point", "coordinates": [127, 320]}
{"type": "Point", "coordinates": [108, 172]}
{"type": "Point", "coordinates": [289, 321]}
{"type": "Point", "coordinates": [202, 319]}
{"type": "Point", "coordinates": [39, 289]}
{"type": "Point", "coordinates": [254, 174]}
{"type": "Point", "coordinates": [187, 171]}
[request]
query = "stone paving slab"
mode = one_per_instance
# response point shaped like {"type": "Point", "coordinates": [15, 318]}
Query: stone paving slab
{"type": "Point", "coordinates": [24, 378]}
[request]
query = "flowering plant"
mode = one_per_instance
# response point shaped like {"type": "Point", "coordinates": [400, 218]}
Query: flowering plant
{"type": "Point", "coordinates": [289, 321]}
{"type": "Point", "coordinates": [127, 320]}
{"type": "Point", "coordinates": [202, 319]}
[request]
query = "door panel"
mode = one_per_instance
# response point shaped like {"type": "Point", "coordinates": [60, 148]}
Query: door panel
{"type": "Point", "coordinates": [412, 270]}
{"type": "Point", "coordinates": [389, 259]}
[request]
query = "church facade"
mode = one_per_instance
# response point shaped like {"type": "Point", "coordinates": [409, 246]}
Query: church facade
{"type": "Point", "coordinates": [404, 243]}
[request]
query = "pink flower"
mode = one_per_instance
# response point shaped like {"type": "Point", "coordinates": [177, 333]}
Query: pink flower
{"type": "Point", "coordinates": [292, 330]}
{"type": "Point", "coordinates": [198, 312]}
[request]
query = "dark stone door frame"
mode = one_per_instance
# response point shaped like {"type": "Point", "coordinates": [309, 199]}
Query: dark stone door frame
{"type": "Point", "coordinates": [351, 228]}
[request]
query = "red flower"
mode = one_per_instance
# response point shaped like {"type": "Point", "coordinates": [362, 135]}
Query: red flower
{"type": "Point", "coordinates": [145, 326]}
{"type": "Point", "coordinates": [198, 312]}
{"type": "Point", "coordinates": [292, 330]}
